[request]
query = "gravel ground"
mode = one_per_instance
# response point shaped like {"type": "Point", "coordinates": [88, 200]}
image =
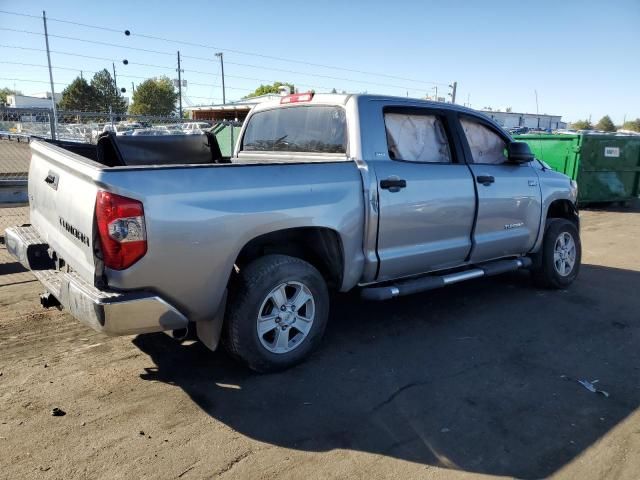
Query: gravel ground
{"type": "Point", "coordinates": [475, 379]}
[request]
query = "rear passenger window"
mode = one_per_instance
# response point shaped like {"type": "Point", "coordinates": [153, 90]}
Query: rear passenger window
{"type": "Point", "coordinates": [486, 145]}
{"type": "Point", "coordinates": [417, 138]}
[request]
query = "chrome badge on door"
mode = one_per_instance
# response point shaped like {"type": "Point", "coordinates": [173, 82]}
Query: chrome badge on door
{"type": "Point", "coordinates": [509, 226]}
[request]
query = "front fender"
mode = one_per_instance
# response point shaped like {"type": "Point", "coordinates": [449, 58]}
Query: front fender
{"type": "Point", "coordinates": [554, 187]}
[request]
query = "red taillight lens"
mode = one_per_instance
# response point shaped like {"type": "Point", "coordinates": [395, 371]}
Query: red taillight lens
{"type": "Point", "coordinates": [123, 236]}
{"type": "Point", "coordinates": [297, 98]}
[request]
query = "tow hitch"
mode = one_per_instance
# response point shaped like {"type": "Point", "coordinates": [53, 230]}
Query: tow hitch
{"type": "Point", "coordinates": [48, 301]}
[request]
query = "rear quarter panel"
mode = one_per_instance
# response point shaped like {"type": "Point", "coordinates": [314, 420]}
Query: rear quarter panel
{"type": "Point", "coordinates": [199, 218]}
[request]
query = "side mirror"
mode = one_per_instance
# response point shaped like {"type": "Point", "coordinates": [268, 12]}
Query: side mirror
{"type": "Point", "coordinates": [519, 152]}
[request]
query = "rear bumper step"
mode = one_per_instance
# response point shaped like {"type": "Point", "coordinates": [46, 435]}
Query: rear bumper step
{"type": "Point", "coordinates": [431, 282]}
{"type": "Point", "coordinates": [110, 312]}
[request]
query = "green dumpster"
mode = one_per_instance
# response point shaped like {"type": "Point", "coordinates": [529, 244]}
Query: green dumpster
{"type": "Point", "coordinates": [606, 167]}
{"type": "Point", "coordinates": [227, 135]}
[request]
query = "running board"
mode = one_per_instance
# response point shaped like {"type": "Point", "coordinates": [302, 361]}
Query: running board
{"type": "Point", "coordinates": [431, 282]}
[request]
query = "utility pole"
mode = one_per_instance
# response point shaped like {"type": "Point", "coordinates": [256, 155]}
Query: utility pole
{"type": "Point", "coordinates": [53, 93]}
{"type": "Point", "coordinates": [453, 88]}
{"type": "Point", "coordinates": [133, 88]}
{"type": "Point", "coordinates": [219, 55]}
{"type": "Point", "coordinates": [179, 86]}
{"type": "Point", "coordinates": [115, 80]}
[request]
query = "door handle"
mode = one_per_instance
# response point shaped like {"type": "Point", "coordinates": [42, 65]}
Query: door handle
{"type": "Point", "coordinates": [393, 184]}
{"type": "Point", "coordinates": [486, 180]}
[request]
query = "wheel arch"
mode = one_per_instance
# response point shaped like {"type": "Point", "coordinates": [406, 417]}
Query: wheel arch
{"type": "Point", "coordinates": [563, 208]}
{"type": "Point", "coordinates": [320, 246]}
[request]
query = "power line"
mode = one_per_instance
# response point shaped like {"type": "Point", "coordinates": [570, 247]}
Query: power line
{"type": "Point", "coordinates": [145, 77]}
{"type": "Point", "coordinates": [69, 69]}
{"type": "Point", "coordinates": [44, 66]}
{"type": "Point", "coordinates": [240, 52]}
{"type": "Point", "coordinates": [25, 80]}
{"type": "Point", "coordinates": [94, 42]}
{"type": "Point", "coordinates": [227, 86]}
{"type": "Point", "coordinates": [342, 79]}
{"type": "Point", "coordinates": [56, 51]}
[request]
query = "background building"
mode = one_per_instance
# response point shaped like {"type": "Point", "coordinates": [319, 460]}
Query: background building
{"type": "Point", "coordinates": [37, 100]}
{"type": "Point", "coordinates": [237, 111]}
{"type": "Point", "coordinates": [531, 120]}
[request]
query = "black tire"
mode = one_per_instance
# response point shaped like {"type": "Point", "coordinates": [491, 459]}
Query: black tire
{"type": "Point", "coordinates": [254, 283]}
{"type": "Point", "coordinates": [545, 273]}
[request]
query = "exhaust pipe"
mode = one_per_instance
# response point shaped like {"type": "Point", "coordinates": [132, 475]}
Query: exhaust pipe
{"type": "Point", "coordinates": [47, 300]}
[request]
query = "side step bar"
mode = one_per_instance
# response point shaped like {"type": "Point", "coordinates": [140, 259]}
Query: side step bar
{"type": "Point", "coordinates": [431, 282]}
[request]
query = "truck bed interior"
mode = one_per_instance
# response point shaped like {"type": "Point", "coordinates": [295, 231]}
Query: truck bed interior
{"type": "Point", "coordinates": [124, 150]}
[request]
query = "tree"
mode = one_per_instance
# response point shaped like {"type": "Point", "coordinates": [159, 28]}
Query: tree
{"type": "Point", "coordinates": [155, 96]}
{"type": "Point", "coordinates": [79, 95]}
{"type": "Point", "coordinates": [633, 125]}
{"type": "Point", "coordinates": [582, 125]}
{"type": "Point", "coordinates": [265, 89]}
{"type": "Point", "coordinates": [7, 91]}
{"type": "Point", "coordinates": [606, 124]}
{"type": "Point", "coordinates": [107, 93]}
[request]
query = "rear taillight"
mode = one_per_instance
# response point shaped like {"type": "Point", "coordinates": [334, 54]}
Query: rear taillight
{"type": "Point", "coordinates": [123, 236]}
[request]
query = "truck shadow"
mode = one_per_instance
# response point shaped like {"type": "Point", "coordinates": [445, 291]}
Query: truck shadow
{"type": "Point", "coordinates": [480, 377]}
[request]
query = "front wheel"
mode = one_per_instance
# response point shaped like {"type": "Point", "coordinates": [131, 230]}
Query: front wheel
{"type": "Point", "coordinates": [561, 254]}
{"type": "Point", "coordinates": [277, 313]}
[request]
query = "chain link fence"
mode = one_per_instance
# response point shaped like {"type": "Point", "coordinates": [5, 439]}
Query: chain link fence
{"type": "Point", "coordinates": [18, 126]}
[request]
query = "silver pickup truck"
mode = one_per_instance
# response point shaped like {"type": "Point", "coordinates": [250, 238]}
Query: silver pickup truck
{"type": "Point", "coordinates": [392, 196]}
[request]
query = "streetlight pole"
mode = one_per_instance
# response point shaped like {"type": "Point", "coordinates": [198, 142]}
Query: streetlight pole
{"type": "Point", "coordinates": [219, 55]}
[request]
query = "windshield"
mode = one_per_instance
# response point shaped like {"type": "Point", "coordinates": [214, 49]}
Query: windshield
{"type": "Point", "coordinates": [315, 129]}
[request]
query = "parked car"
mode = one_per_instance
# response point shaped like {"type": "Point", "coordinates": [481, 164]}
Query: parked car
{"type": "Point", "coordinates": [391, 196]}
{"type": "Point", "coordinates": [118, 129]}
{"type": "Point", "coordinates": [197, 128]}
{"type": "Point", "coordinates": [150, 132]}
{"type": "Point", "coordinates": [518, 130]}
{"type": "Point", "coordinates": [173, 129]}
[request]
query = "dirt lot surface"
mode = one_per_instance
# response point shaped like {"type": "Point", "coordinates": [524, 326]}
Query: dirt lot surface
{"type": "Point", "coordinates": [476, 379]}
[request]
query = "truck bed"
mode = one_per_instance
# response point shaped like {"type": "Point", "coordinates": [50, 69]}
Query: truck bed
{"type": "Point", "coordinates": [198, 217]}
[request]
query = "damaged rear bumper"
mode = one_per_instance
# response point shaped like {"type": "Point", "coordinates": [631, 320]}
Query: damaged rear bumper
{"type": "Point", "coordinates": [110, 312]}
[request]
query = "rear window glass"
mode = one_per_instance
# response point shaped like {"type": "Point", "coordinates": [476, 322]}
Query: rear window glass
{"type": "Point", "coordinates": [316, 129]}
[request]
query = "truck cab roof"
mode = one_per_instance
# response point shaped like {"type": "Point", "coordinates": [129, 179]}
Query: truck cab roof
{"type": "Point", "coordinates": [343, 98]}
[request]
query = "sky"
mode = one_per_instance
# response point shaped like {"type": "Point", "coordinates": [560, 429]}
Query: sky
{"type": "Point", "coordinates": [581, 57]}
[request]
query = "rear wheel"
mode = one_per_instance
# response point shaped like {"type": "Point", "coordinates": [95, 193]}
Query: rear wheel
{"type": "Point", "coordinates": [561, 254]}
{"type": "Point", "coordinates": [277, 313]}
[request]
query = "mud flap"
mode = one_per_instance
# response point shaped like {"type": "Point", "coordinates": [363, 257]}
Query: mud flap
{"type": "Point", "coordinates": [209, 331]}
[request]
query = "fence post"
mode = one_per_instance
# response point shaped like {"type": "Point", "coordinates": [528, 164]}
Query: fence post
{"type": "Point", "coordinates": [231, 137]}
